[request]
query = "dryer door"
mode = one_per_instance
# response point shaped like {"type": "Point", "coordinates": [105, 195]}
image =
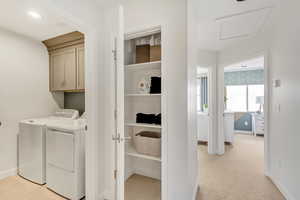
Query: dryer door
{"type": "Point", "coordinates": [61, 150]}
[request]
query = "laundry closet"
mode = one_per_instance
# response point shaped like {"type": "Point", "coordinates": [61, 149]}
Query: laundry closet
{"type": "Point", "coordinates": [143, 117]}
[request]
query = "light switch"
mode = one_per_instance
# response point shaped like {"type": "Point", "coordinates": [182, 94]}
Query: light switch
{"type": "Point", "coordinates": [276, 83]}
{"type": "Point", "coordinates": [278, 107]}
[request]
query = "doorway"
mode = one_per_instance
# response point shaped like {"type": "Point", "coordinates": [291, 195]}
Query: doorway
{"type": "Point", "coordinates": [243, 109]}
{"type": "Point", "coordinates": [140, 126]}
{"type": "Point", "coordinates": [203, 105]}
{"type": "Point", "coordinates": [245, 139]}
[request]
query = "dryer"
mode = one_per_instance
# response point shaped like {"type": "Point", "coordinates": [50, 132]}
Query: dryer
{"type": "Point", "coordinates": [65, 153]}
{"type": "Point", "coordinates": [32, 145]}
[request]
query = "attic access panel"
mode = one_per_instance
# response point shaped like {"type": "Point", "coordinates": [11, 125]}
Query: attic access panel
{"type": "Point", "coordinates": [242, 24]}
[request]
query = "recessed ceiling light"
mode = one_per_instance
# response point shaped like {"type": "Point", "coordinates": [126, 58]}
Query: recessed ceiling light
{"type": "Point", "coordinates": [34, 15]}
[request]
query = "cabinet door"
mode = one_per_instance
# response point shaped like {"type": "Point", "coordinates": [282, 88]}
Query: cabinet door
{"type": "Point", "coordinates": [80, 68]}
{"type": "Point", "coordinates": [63, 70]}
{"type": "Point", "coordinates": [57, 62]}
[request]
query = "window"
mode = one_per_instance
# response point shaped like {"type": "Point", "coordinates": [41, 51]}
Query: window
{"type": "Point", "coordinates": [253, 92]}
{"type": "Point", "coordinates": [199, 95]}
{"type": "Point", "coordinates": [236, 98]}
{"type": "Point", "coordinates": [242, 98]}
{"type": "Point", "coordinates": [202, 93]}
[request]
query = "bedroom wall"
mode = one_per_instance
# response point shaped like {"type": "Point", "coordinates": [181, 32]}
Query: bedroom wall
{"type": "Point", "coordinates": [24, 91]}
{"type": "Point", "coordinates": [192, 65]}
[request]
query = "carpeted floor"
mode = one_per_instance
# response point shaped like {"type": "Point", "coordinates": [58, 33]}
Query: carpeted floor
{"type": "Point", "coordinates": [237, 175]}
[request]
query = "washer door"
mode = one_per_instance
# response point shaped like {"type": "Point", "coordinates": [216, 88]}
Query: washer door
{"type": "Point", "coordinates": [61, 150]}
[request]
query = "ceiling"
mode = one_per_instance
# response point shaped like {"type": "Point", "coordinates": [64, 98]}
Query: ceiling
{"type": "Point", "coordinates": [14, 17]}
{"type": "Point", "coordinates": [223, 23]}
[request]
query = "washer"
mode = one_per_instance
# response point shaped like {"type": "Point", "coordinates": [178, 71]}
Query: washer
{"type": "Point", "coordinates": [32, 145]}
{"type": "Point", "coordinates": [65, 157]}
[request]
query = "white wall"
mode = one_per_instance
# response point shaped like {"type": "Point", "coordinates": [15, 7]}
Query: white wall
{"type": "Point", "coordinates": [284, 125]}
{"type": "Point", "coordinates": [24, 91]}
{"type": "Point", "coordinates": [171, 14]}
{"type": "Point", "coordinates": [192, 64]}
{"type": "Point", "coordinates": [246, 50]}
{"type": "Point", "coordinates": [282, 45]}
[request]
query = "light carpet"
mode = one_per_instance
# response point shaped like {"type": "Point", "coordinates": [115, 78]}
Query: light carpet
{"type": "Point", "coordinates": [237, 175]}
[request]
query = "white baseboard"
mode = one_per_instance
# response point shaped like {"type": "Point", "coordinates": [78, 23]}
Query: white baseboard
{"type": "Point", "coordinates": [7, 173]}
{"type": "Point", "coordinates": [282, 188]}
{"type": "Point", "coordinates": [243, 132]}
{"type": "Point", "coordinates": [196, 188]}
{"type": "Point", "coordinates": [147, 174]}
{"type": "Point", "coordinates": [100, 197]}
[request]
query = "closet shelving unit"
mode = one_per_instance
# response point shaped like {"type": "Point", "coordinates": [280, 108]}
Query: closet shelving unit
{"type": "Point", "coordinates": [142, 95]}
{"type": "Point", "coordinates": [140, 102]}
{"type": "Point", "coordinates": [132, 152]}
{"type": "Point", "coordinates": [147, 66]}
{"type": "Point", "coordinates": [142, 125]}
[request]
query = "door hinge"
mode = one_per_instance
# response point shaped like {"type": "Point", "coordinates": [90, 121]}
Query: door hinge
{"type": "Point", "coordinates": [115, 174]}
{"type": "Point", "coordinates": [116, 114]}
{"type": "Point", "coordinates": [117, 138]}
{"type": "Point", "coordinates": [114, 51]}
{"type": "Point", "coordinates": [115, 55]}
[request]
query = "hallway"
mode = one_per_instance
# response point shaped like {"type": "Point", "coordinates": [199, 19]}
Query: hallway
{"type": "Point", "coordinates": [238, 175]}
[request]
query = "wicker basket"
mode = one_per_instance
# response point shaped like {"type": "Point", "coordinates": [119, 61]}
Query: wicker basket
{"type": "Point", "coordinates": [148, 143]}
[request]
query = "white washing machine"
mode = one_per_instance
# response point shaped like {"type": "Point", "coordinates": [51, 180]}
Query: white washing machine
{"type": "Point", "coordinates": [32, 145]}
{"type": "Point", "coordinates": [65, 158]}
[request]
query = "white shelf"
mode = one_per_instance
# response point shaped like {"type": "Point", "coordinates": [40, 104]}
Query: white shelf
{"type": "Point", "coordinates": [130, 151]}
{"type": "Point", "coordinates": [143, 125]}
{"type": "Point", "coordinates": [148, 65]}
{"type": "Point", "coordinates": [142, 95]}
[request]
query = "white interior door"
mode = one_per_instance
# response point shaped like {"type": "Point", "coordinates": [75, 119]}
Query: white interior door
{"type": "Point", "coordinates": [119, 105]}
